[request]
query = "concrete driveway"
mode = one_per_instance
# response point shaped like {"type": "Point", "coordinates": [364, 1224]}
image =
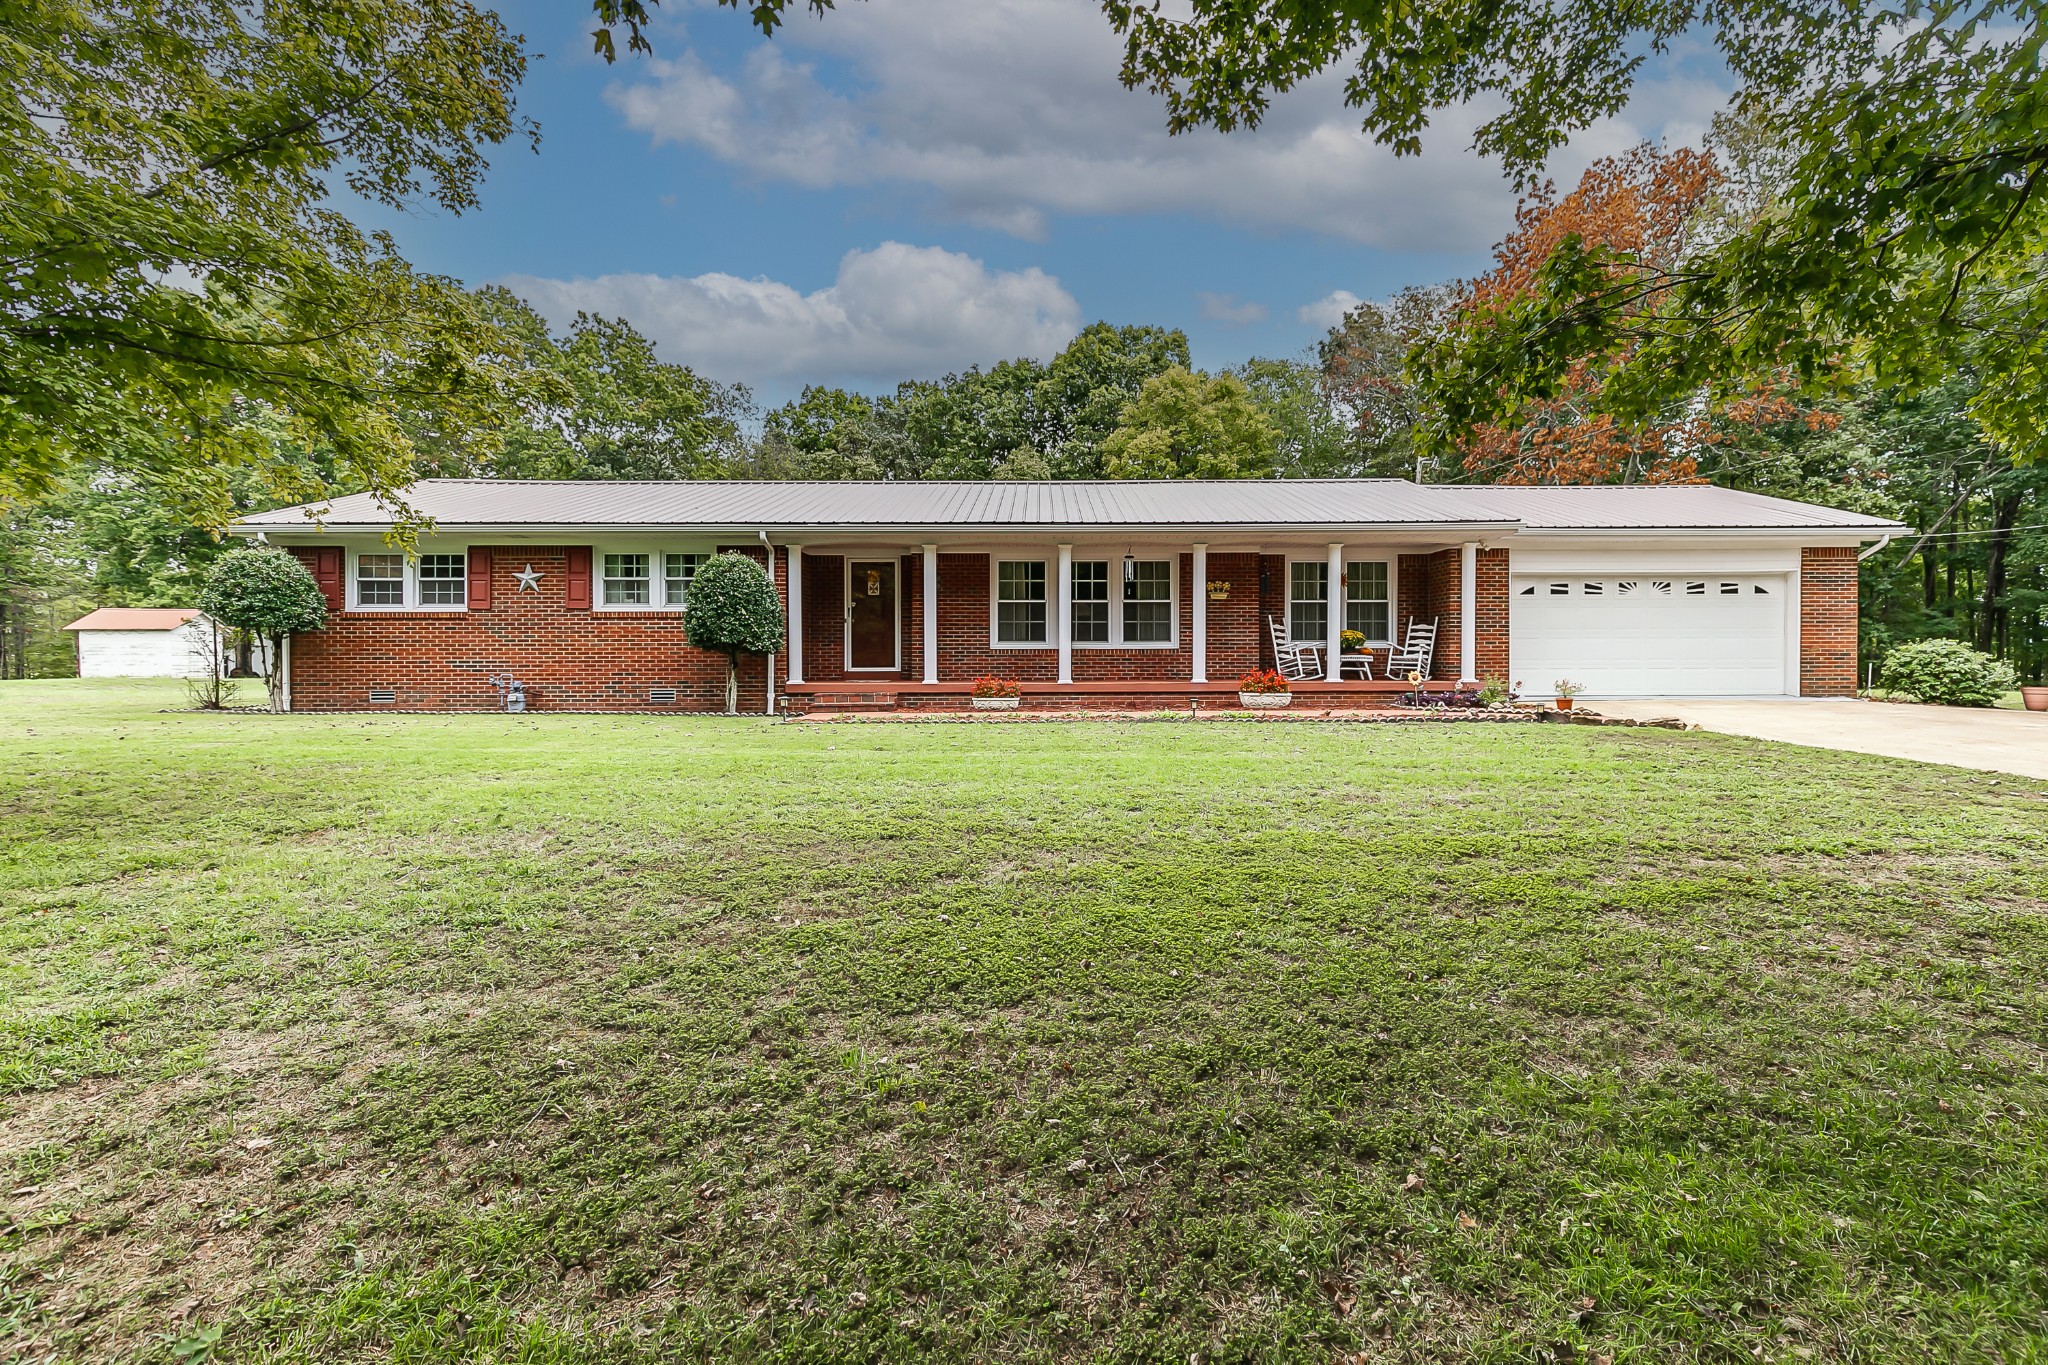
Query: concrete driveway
{"type": "Point", "coordinates": [1966, 737]}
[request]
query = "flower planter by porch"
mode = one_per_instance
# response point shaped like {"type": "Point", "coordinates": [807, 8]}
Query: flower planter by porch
{"type": "Point", "coordinates": [1564, 703]}
{"type": "Point", "coordinates": [1264, 701]}
{"type": "Point", "coordinates": [2035, 698]}
{"type": "Point", "coordinates": [995, 703]}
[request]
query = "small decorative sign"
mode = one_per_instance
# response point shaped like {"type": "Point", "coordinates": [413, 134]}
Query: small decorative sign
{"type": "Point", "coordinates": [529, 579]}
{"type": "Point", "coordinates": [874, 582]}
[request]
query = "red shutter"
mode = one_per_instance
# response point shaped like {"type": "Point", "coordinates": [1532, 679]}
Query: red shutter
{"type": "Point", "coordinates": [327, 573]}
{"type": "Point", "coordinates": [576, 577]}
{"type": "Point", "coordinates": [479, 580]}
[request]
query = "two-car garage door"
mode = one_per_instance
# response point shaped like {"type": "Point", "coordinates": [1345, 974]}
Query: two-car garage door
{"type": "Point", "coordinates": [1650, 636]}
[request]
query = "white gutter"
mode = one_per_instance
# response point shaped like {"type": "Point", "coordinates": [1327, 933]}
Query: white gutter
{"type": "Point", "coordinates": [1875, 548]}
{"type": "Point", "coordinates": [768, 689]}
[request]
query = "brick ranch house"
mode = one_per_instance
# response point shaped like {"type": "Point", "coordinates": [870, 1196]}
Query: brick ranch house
{"type": "Point", "coordinates": [1152, 594]}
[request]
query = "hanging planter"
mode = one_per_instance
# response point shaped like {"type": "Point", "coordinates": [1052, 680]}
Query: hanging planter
{"type": "Point", "coordinates": [1219, 590]}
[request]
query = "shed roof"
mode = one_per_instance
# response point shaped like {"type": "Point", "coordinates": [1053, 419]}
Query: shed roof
{"type": "Point", "coordinates": [134, 618]}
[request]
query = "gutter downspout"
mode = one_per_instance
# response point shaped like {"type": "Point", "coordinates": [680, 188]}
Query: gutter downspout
{"type": "Point", "coordinates": [768, 684]}
{"type": "Point", "coordinates": [1884, 541]}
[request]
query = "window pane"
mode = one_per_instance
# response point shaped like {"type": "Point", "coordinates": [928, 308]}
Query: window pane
{"type": "Point", "coordinates": [380, 580]}
{"type": "Point", "coordinates": [1365, 599]}
{"type": "Point", "coordinates": [1308, 607]}
{"type": "Point", "coordinates": [677, 571]}
{"type": "Point", "coordinates": [1020, 601]}
{"type": "Point", "coordinates": [625, 580]}
{"type": "Point", "coordinates": [443, 580]}
{"type": "Point", "coordinates": [1148, 603]}
{"type": "Point", "coordinates": [1091, 602]}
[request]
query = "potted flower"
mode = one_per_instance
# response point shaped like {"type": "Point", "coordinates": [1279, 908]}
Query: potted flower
{"type": "Point", "coordinates": [2034, 698]}
{"type": "Point", "coordinates": [1353, 641]}
{"type": "Point", "coordinates": [1263, 690]}
{"type": "Point", "coordinates": [1219, 590]}
{"type": "Point", "coordinates": [995, 694]}
{"type": "Point", "coordinates": [1566, 689]}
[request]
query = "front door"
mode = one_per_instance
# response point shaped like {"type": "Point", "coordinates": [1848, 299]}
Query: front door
{"type": "Point", "coordinates": [871, 614]}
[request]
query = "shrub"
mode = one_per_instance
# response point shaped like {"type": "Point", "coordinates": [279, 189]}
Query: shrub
{"type": "Point", "coordinates": [1262, 680]}
{"type": "Point", "coordinates": [733, 609]}
{"type": "Point", "coordinates": [989, 686]}
{"type": "Point", "coordinates": [1946, 672]}
{"type": "Point", "coordinates": [268, 593]}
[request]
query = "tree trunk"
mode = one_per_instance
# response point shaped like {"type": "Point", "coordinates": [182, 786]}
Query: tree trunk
{"type": "Point", "coordinates": [732, 684]}
{"type": "Point", "coordinates": [273, 677]}
{"type": "Point", "coordinates": [1991, 631]}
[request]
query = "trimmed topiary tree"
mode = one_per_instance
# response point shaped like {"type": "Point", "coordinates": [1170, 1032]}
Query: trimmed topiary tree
{"type": "Point", "coordinates": [268, 593]}
{"type": "Point", "coordinates": [1946, 672]}
{"type": "Point", "coordinates": [734, 610]}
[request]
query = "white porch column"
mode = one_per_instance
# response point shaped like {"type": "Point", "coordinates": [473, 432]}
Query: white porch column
{"type": "Point", "coordinates": [1064, 626]}
{"type": "Point", "coordinates": [929, 595]}
{"type": "Point", "coordinates": [1468, 611]}
{"type": "Point", "coordinates": [1333, 629]}
{"type": "Point", "coordinates": [1200, 623]}
{"type": "Point", "coordinates": [796, 613]}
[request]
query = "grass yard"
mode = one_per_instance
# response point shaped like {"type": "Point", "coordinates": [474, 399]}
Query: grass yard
{"type": "Point", "coordinates": [577, 1039]}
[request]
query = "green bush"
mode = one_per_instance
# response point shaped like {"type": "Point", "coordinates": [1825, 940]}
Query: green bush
{"type": "Point", "coordinates": [268, 593]}
{"type": "Point", "coordinates": [733, 609]}
{"type": "Point", "coordinates": [1947, 672]}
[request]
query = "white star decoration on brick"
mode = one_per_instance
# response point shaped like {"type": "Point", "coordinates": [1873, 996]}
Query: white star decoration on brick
{"type": "Point", "coordinates": [529, 579]}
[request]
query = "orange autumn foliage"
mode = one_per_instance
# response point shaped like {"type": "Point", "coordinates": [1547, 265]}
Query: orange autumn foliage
{"type": "Point", "coordinates": [1645, 206]}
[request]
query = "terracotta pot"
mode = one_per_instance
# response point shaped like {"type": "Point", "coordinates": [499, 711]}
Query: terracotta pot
{"type": "Point", "coordinates": [995, 703]}
{"type": "Point", "coordinates": [1564, 703]}
{"type": "Point", "coordinates": [1264, 701]}
{"type": "Point", "coordinates": [2036, 698]}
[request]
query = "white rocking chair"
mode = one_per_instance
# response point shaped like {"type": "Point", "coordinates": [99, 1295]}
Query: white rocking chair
{"type": "Point", "coordinates": [1295, 661]}
{"type": "Point", "coordinates": [1416, 653]}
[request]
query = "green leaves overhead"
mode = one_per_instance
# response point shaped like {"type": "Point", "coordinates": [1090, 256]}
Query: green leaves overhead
{"type": "Point", "coordinates": [176, 298]}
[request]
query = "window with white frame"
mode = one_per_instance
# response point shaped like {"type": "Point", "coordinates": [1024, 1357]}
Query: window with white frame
{"type": "Point", "coordinates": [380, 580]}
{"type": "Point", "coordinates": [1020, 602]}
{"type": "Point", "coordinates": [1308, 600]}
{"type": "Point", "coordinates": [389, 579]}
{"type": "Point", "coordinates": [1148, 602]}
{"type": "Point", "coordinates": [1367, 608]}
{"type": "Point", "coordinates": [1091, 602]}
{"type": "Point", "coordinates": [1141, 612]}
{"type": "Point", "coordinates": [627, 582]}
{"type": "Point", "coordinates": [444, 580]}
{"type": "Point", "coordinates": [676, 572]}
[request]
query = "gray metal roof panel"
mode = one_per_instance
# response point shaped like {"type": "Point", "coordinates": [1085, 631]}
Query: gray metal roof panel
{"type": "Point", "coordinates": [453, 503]}
{"type": "Point", "coordinates": [1655, 507]}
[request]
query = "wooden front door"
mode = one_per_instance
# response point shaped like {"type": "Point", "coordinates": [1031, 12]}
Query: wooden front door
{"type": "Point", "coordinates": [871, 614]}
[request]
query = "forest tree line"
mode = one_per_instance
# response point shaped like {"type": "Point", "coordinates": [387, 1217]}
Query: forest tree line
{"type": "Point", "coordinates": [597, 402]}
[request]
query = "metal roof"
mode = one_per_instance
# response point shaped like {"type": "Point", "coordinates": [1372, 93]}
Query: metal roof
{"type": "Point", "coordinates": [1277, 504]}
{"type": "Point", "coordinates": [455, 503]}
{"type": "Point", "coordinates": [1657, 506]}
{"type": "Point", "coordinates": [134, 618]}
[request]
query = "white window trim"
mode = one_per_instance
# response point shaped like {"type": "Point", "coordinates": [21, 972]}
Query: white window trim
{"type": "Point", "coordinates": [1116, 600]}
{"type": "Point", "coordinates": [409, 593]}
{"type": "Point", "coordinates": [1389, 558]}
{"type": "Point", "coordinates": [657, 582]}
{"type": "Point", "coordinates": [1050, 564]}
{"type": "Point", "coordinates": [895, 665]}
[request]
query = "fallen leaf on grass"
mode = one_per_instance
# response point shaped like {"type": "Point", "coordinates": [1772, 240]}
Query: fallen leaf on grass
{"type": "Point", "coordinates": [1411, 1184]}
{"type": "Point", "coordinates": [1467, 1221]}
{"type": "Point", "coordinates": [257, 1144]}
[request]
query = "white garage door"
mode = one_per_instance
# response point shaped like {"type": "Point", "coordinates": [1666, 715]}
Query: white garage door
{"type": "Point", "coordinates": [1642, 636]}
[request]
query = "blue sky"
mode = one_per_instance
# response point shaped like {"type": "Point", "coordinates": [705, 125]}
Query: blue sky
{"type": "Point", "coordinates": [912, 186]}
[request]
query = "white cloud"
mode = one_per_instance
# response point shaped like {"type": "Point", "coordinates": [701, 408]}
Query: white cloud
{"type": "Point", "coordinates": [1008, 111]}
{"type": "Point", "coordinates": [1329, 310]}
{"type": "Point", "coordinates": [893, 312]}
{"type": "Point", "coordinates": [1227, 308]}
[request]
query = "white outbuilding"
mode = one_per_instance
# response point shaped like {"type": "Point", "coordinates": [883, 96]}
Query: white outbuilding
{"type": "Point", "coordinates": [143, 642]}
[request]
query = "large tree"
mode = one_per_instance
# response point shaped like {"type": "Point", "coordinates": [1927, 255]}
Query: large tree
{"type": "Point", "coordinates": [1184, 425]}
{"type": "Point", "coordinates": [176, 289]}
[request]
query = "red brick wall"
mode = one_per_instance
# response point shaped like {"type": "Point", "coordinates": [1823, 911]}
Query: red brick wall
{"type": "Point", "coordinates": [1827, 621]}
{"type": "Point", "coordinates": [1272, 603]}
{"type": "Point", "coordinates": [1237, 632]}
{"type": "Point", "coordinates": [824, 618]}
{"type": "Point", "coordinates": [1442, 601]}
{"type": "Point", "coordinates": [575, 660]}
{"type": "Point", "coordinates": [1491, 612]}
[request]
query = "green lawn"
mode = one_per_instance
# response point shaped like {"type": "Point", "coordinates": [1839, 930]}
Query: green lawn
{"type": "Point", "coordinates": [574, 1039]}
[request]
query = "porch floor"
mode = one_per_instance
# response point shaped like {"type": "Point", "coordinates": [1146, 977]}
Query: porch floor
{"type": "Point", "coordinates": [894, 694]}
